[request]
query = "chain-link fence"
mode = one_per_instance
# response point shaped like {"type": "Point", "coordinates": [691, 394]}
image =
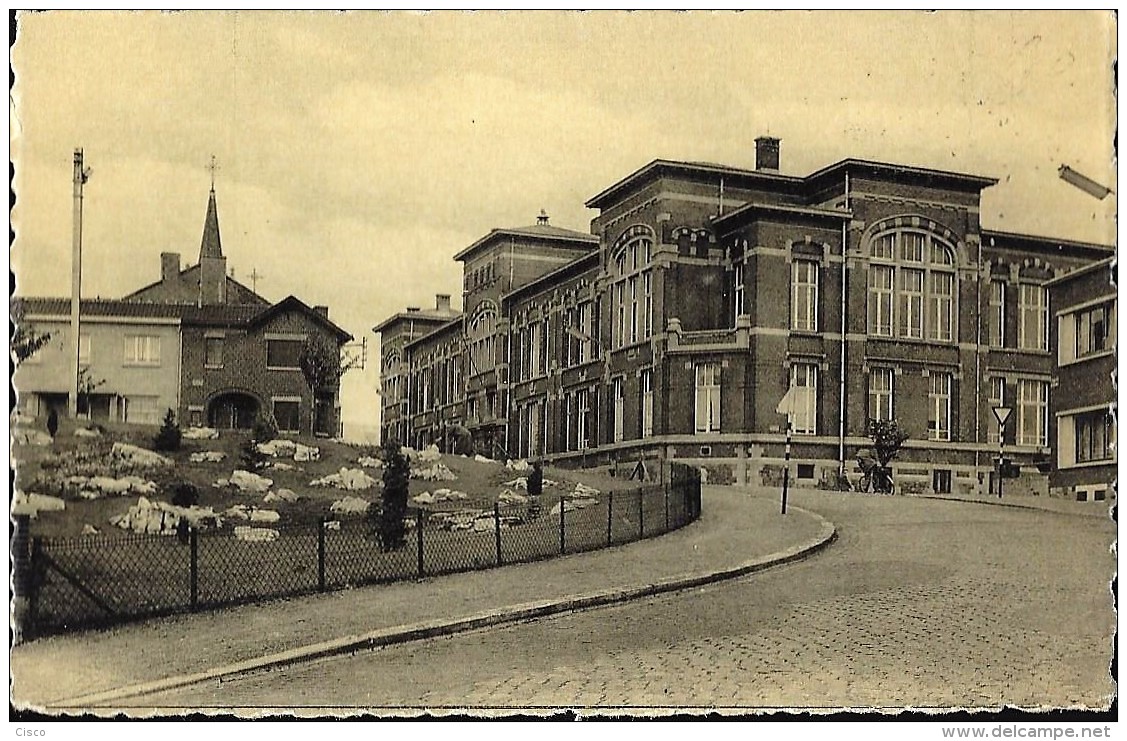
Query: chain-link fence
{"type": "Point", "coordinates": [91, 580]}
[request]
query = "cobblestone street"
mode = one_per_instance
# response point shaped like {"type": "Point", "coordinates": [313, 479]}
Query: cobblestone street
{"type": "Point", "coordinates": [920, 603]}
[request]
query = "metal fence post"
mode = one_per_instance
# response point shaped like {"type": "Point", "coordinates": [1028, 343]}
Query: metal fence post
{"type": "Point", "coordinates": [641, 513]}
{"type": "Point", "coordinates": [193, 568]}
{"type": "Point", "coordinates": [610, 511]}
{"type": "Point", "coordinates": [562, 508]}
{"type": "Point", "coordinates": [666, 494]}
{"type": "Point", "coordinates": [419, 530]}
{"type": "Point", "coordinates": [497, 529]}
{"type": "Point", "coordinates": [321, 554]}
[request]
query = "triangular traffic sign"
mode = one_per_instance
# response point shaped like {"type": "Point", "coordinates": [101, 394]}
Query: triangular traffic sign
{"type": "Point", "coordinates": [1002, 414]}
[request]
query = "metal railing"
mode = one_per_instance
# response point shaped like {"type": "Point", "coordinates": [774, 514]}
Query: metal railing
{"type": "Point", "coordinates": [70, 583]}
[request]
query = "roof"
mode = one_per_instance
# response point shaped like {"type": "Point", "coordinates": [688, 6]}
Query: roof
{"type": "Point", "coordinates": [455, 322]}
{"type": "Point", "coordinates": [776, 180]}
{"type": "Point", "coordinates": [1105, 264]}
{"type": "Point", "coordinates": [218, 315]}
{"type": "Point", "coordinates": [1046, 241]}
{"type": "Point", "coordinates": [749, 208]}
{"type": "Point", "coordinates": [543, 232]}
{"type": "Point", "coordinates": [659, 166]}
{"type": "Point", "coordinates": [577, 264]}
{"type": "Point", "coordinates": [259, 299]}
{"type": "Point", "coordinates": [210, 245]}
{"type": "Point", "coordinates": [427, 316]}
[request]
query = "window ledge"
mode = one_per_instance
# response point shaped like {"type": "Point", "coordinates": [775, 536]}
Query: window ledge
{"type": "Point", "coordinates": [1088, 464]}
{"type": "Point", "coordinates": [129, 364]}
{"type": "Point", "coordinates": [281, 368]}
{"type": "Point", "coordinates": [213, 366]}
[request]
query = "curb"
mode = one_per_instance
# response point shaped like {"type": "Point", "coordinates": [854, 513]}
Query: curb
{"type": "Point", "coordinates": [1102, 514]}
{"type": "Point", "coordinates": [431, 629]}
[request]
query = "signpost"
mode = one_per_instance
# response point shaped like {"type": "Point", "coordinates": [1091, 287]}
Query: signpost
{"type": "Point", "coordinates": [1002, 414]}
{"type": "Point", "coordinates": [786, 406]}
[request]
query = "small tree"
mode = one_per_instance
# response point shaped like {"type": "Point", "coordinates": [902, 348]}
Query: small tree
{"type": "Point", "coordinates": [168, 438]}
{"type": "Point", "coordinates": [265, 427]}
{"type": "Point", "coordinates": [87, 385]}
{"type": "Point", "coordinates": [26, 339]}
{"type": "Point", "coordinates": [396, 476]}
{"type": "Point", "coordinates": [888, 438]}
{"type": "Point", "coordinates": [251, 458]}
{"type": "Point", "coordinates": [320, 364]}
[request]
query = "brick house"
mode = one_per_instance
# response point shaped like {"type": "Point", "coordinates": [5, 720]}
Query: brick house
{"type": "Point", "coordinates": [1082, 412]}
{"type": "Point", "coordinates": [198, 342]}
{"type": "Point", "coordinates": [870, 288]}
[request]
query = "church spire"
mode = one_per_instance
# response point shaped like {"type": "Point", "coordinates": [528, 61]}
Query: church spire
{"type": "Point", "coordinates": [210, 245]}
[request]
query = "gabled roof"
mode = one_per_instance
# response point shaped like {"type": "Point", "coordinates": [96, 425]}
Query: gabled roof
{"type": "Point", "coordinates": [259, 300]}
{"type": "Point", "coordinates": [542, 232]}
{"type": "Point", "coordinates": [293, 303]}
{"type": "Point", "coordinates": [1105, 264]}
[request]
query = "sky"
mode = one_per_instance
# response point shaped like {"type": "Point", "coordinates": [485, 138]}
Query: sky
{"type": "Point", "coordinates": [359, 151]}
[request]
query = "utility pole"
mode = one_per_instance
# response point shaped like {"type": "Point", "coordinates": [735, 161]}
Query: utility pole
{"type": "Point", "coordinates": [80, 177]}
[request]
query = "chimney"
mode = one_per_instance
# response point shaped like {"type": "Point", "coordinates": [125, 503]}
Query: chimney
{"type": "Point", "coordinates": [542, 219]}
{"type": "Point", "coordinates": [169, 266]}
{"type": "Point", "coordinates": [767, 154]}
{"type": "Point", "coordinates": [412, 309]}
{"type": "Point", "coordinates": [322, 310]}
{"type": "Point", "coordinates": [442, 302]}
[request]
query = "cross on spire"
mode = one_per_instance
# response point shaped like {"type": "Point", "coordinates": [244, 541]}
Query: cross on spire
{"type": "Point", "coordinates": [212, 167]}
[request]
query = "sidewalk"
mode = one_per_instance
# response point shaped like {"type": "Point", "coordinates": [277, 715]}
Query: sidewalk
{"type": "Point", "coordinates": [737, 533]}
{"type": "Point", "coordinates": [1025, 501]}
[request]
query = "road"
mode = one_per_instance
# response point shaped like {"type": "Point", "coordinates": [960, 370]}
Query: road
{"type": "Point", "coordinates": [920, 603]}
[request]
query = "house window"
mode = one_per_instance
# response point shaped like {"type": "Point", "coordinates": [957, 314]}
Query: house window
{"type": "Point", "coordinates": [583, 417]}
{"type": "Point", "coordinates": [998, 313]}
{"type": "Point", "coordinates": [141, 350]}
{"type": "Point", "coordinates": [142, 410]}
{"type": "Point", "coordinates": [1032, 412]}
{"type": "Point", "coordinates": [1093, 328]}
{"type": "Point", "coordinates": [283, 354]}
{"type": "Point", "coordinates": [1033, 319]}
{"type": "Point", "coordinates": [286, 413]}
{"type": "Point", "coordinates": [545, 337]}
{"type": "Point", "coordinates": [619, 404]}
{"type": "Point", "coordinates": [481, 340]}
{"type": "Point", "coordinates": [1095, 437]}
{"type": "Point", "coordinates": [997, 393]}
{"type": "Point", "coordinates": [804, 295]}
{"type": "Point", "coordinates": [647, 403]}
{"type": "Point", "coordinates": [920, 269]}
{"type": "Point", "coordinates": [804, 383]}
{"type": "Point", "coordinates": [708, 397]}
{"type": "Point", "coordinates": [737, 291]}
{"type": "Point", "coordinates": [880, 300]}
{"type": "Point", "coordinates": [939, 407]}
{"type": "Point", "coordinates": [880, 394]}
{"type": "Point", "coordinates": [632, 304]}
{"type": "Point", "coordinates": [213, 352]}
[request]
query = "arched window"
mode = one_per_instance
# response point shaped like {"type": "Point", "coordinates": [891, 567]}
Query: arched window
{"type": "Point", "coordinates": [912, 286]}
{"type": "Point", "coordinates": [482, 339]}
{"type": "Point", "coordinates": [632, 288]}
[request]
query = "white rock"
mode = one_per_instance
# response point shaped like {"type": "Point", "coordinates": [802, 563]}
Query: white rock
{"type": "Point", "coordinates": [582, 490]}
{"type": "Point", "coordinates": [108, 485]}
{"type": "Point", "coordinates": [278, 448]}
{"type": "Point", "coordinates": [306, 453]}
{"type": "Point", "coordinates": [519, 483]}
{"type": "Point", "coordinates": [332, 525]}
{"type": "Point", "coordinates": [484, 524]}
{"type": "Point", "coordinates": [520, 466]}
{"type": "Point", "coordinates": [88, 529]}
{"type": "Point", "coordinates": [256, 534]}
{"type": "Point", "coordinates": [200, 433]}
{"type": "Point", "coordinates": [280, 466]}
{"type": "Point", "coordinates": [239, 511]}
{"type": "Point", "coordinates": [138, 456]}
{"type": "Point", "coordinates": [264, 515]}
{"type": "Point", "coordinates": [482, 459]}
{"type": "Point", "coordinates": [350, 479]}
{"type": "Point", "coordinates": [207, 456]}
{"type": "Point", "coordinates": [32, 504]}
{"type": "Point", "coordinates": [282, 495]}
{"type": "Point", "coordinates": [508, 496]}
{"type": "Point", "coordinates": [437, 472]}
{"type": "Point", "coordinates": [30, 437]}
{"type": "Point", "coordinates": [350, 506]}
{"type": "Point", "coordinates": [368, 461]}
{"type": "Point", "coordinates": [429, 455]}
{"type": "Point", "coordinates": [247, 481]}
{"type": "Point", "coordinates": [424, 498]}
{"type": "Point", "coordinates": [83, 432]}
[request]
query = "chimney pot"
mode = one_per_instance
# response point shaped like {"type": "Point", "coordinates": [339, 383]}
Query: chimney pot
{"type": "Point", "coordinates": [767, 154]}
{"type": "Point", "coordinates": [542, 219]}
{"type": "Point", "coordinates": [442, 301]}
{"type": "Point", "coordinates": [322, 310]}
{"type": "Point", "coordinates": [413, 309]}
{"type": "Point", "coordinates": [169, 266]}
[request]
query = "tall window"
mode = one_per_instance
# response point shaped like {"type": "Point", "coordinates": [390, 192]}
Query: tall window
{"type": "Point", "coordinates": [804, 383]}
{"type": "Point", "coordinates": [1032, 412]}
{"type": "Point", "coordinates": [631, 295]}
{"type": "Point", "coordinates": [737, 291]}
{"type": "Point", "coordinates": [213, 352]}
{"type": "Point", "coordinates": [708, 397]}
{"type": "Point", "coordinates": [145, 350]}
{"type": "Point", "coordinates": [1095, 437]}
{"type": "Point", "coordinates": [545, 347]}
{"type": "Point", "coordinates": [481, 340]}
{"type": "Point", "coordinates": [997, 393]}
{"type": "Point", "coordinates": [583, 417]}
{"type": "Point", "coordinates": [880, 300]}
{"type": "Point", "coordinates": [998, 313]}
{"type": "Point", "coordinates": [919, 269]}
{"type": "Point", "coordinates": [585, 318]}
{"type": "Point", "coordinates": [804, 295]}
{"type": "Point", "coordinates": [287, 413]}
{"type": "Point", "coordinates": [880, 394]}
{"type": "Point", "coordinates": [1033, 319]}
{"type": "Point", "coordinates": [647, 403]}
{"type": "Point", "coordinates": [619, 404]}
{"type": "Point", "coordinates": [939, 407]}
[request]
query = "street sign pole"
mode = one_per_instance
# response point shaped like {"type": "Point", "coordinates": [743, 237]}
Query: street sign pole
{"type": "Point", "coordinates": [1001, 414]}
{"type": "Point", "coordinates": [786, 467]}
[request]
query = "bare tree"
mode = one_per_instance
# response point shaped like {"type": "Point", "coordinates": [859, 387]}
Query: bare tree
{"type": "Point", "coordinates": [322, 368]}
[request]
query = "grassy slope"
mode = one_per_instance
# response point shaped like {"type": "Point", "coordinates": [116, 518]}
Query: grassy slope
{"type": "Point", "coordinates": [481, 481]}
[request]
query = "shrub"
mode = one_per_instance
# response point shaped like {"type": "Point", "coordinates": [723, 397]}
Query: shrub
{"type": "Point", "coordinates": [168, 438]}
{"type": "Point", "coordinates": [251, 457]}
{"type": "Point", "coordinates": [396, 475]}
{"type": "Point", "coordinates": [185, 494]}
{"type": "Point", "coordinates": [265, 427]}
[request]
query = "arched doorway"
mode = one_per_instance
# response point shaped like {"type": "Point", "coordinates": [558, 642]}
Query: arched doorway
{"type": "Point", "coordinates": [232, 410]}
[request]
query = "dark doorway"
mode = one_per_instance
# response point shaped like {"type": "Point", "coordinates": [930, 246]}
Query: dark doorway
{"type": "Point", "coordinates": [232, 410]}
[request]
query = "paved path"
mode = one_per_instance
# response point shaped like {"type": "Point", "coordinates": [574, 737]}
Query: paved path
{"type": "Point", "coordinates": [734, 530]}
{"type": "Point", "coordinates": [920, 603]}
